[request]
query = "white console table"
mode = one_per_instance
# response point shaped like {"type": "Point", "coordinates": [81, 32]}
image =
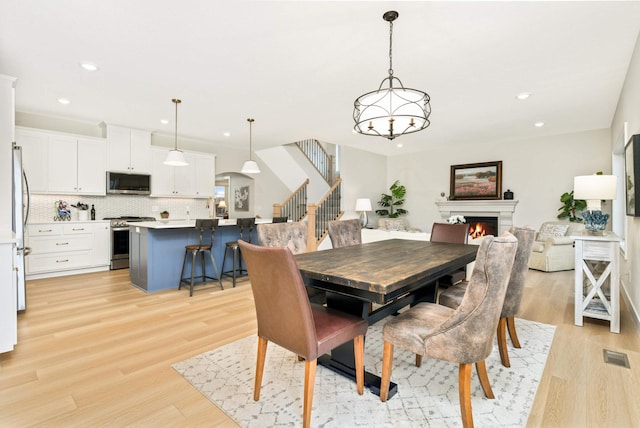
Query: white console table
{"type": "Point", "coordinates": [597, 278]}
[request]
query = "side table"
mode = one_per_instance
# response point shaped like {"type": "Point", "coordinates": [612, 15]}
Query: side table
{"type": "Point", "coordinates": [597, 278]}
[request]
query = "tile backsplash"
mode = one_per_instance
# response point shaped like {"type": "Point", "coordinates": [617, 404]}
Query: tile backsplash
{"type": "Point", "coordinates": [43, 207]}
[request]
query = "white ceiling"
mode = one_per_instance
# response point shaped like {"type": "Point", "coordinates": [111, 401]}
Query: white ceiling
{"type": "Point", "coordinates": [297, 67]}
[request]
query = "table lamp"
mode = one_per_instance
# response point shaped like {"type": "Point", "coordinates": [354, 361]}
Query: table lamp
{"type": "Point", "coordinates": [223, 205]}
{"type": "Point", "coordinates": [594, 189]}
{"type": "Point", "coordinates": [363, 206]}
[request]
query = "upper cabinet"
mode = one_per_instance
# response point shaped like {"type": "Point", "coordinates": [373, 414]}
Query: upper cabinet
{"type": "Point", "coordinates": [128, 150]}
{"type": "Point", "coordinates": [63, 163]}
{"type": "Point", "coordinates": [197, 180]}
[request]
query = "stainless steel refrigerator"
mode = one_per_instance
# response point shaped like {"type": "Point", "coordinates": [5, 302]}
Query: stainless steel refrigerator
{"type": "Point", "coordinates": [21, 201]}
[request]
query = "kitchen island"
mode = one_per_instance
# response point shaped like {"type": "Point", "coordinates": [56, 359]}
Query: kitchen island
{"type": "Point", "coordinates": [156, 250]}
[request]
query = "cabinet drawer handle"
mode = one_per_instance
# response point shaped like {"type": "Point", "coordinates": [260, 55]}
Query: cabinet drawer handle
{"type": "Point", "coordinates": [62, 243]}
{"type": "Point", "coordinates": [45, 230]}
{"type": "Point", "coordinates": [75, 230]}
{"type": "Point", "coordinates": [62, 261]}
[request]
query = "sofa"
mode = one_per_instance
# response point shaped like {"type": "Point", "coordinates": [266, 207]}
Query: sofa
{"type": "Point", "coordinates": [553, 248]}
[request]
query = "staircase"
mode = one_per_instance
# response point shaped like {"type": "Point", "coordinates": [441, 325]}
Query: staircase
{"type": "Point", "coordinates": [297, 206]}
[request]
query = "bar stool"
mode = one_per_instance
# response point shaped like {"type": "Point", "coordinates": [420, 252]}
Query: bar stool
{"type": "Point", "coordinates": [200, 248]}
{"type": "Point", "coordinates": [246, 226]}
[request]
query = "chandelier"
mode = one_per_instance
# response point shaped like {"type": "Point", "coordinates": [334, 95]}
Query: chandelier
{"type": "Point", "coordinates": [175, 157]}
{"type": "Point", "coordinates": [391, 110]}
{"type": "Point", "coordinates": [250, 166]}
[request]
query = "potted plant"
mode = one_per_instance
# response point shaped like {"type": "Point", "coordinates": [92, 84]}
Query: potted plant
{"type": "Point", "coordinates": [570, 206]}
{"type": "Point", "coordinates": [164, 214]}
{"type": "Point", "coordinates": [391, 203]}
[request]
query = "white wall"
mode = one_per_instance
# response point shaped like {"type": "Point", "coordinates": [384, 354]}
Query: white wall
{"type": "Point", "coordinates": [6, 157]}
{"type": "Point", "coordinates": [628, 110]}
{"type": "Point", "coordinates": [537, 171]}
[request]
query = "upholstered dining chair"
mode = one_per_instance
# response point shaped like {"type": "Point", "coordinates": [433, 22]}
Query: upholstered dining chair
{"type": "Point", "coordinates": [463, 335]}
{"type": "Point", "coordinates": [345, 232]}
{"type": "Point", "coordinates": [453, 296]}
{"type": "Point", "coordinates": [294, 237]}
{"type": "Point", "coordinates": [287, 318]}
{"type": "Point", "coordinates": [451, 234]}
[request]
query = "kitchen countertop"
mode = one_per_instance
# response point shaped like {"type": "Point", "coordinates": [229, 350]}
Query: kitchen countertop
{"type": "Point", "coordinates": [67, 222]}
{"type": "Point", "coordinates": [180, 224]}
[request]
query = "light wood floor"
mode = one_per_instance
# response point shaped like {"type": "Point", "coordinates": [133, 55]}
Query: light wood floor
{"type": "Point", "coordinates": [95, 351]}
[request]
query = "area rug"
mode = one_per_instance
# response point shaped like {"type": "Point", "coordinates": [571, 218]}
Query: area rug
{"type": "Point", "coordinates": [427, 396]}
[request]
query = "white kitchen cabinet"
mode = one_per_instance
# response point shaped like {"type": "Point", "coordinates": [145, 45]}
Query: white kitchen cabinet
{"type": "Point", "coordinates": [67, 247]}
{"type": "Point", "coordinates": [128, 150]}
{"type": "Point", "coordinates": [8, 293]}
{"type": "Point", "coordinates": [63, 163]}
{"type": "Point", "coordinates": [196, 180]}
{"type": "Point", "coordinates": [35, 158]}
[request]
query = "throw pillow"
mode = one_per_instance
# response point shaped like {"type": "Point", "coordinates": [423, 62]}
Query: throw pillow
{"type": "Point", "coordinates": [395, 225]}
{"type": "Point", "coordinates": [552, 231]}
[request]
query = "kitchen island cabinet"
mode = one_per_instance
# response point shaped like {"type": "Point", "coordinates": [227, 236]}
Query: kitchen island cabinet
{"type": "Point", "coordinates": [156, 251]}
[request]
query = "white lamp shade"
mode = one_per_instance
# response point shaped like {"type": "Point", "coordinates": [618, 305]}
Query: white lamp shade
{"type": "Point", "coordinates": [363, 204]}
{"type": "Point", "coordinates": [595, 187]}
{"type": "Point", "coordinates": [250, 167]}
{"type": "Point", "coordinates": [175, 157]}
{"type": "Point", "coordinates": [222, 204]}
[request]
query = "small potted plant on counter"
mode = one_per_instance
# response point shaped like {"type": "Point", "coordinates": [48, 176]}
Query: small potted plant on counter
{"type": "Point", "coordinates": [164, 214]}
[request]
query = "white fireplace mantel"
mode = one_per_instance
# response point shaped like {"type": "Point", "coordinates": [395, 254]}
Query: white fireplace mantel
{"type": "Point", "coordinates": [502, 209]}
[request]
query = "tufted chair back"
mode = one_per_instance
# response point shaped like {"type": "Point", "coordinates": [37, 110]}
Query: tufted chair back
{"type": "Point", "coordinates": [344, 233]}
{"type": "Point", "coordinates": [467, 335]}
{"type": "Point", "coordinates": [526, 238]}
{"type": "Point", "coordinates": [284, 235]}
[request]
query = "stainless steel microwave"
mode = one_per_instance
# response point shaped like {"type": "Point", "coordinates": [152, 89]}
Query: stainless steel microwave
{"type": "Point", "coordinates": [128, 184]}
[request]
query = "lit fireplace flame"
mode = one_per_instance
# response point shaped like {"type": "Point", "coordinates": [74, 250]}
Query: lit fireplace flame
{"type": "Point", "coordinates": [477, 231]}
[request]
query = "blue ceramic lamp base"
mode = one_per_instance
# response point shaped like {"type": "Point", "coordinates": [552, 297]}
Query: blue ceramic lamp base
{"type": "Point", "coordinates": [595, 222]}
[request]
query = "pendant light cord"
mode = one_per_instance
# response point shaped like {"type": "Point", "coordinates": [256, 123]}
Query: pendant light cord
{"type": "Point", "coordinates": [250, 139]}
{"type": "Point", "coordinates": [176, 101]}
{"type": "Point", "coordinates": [391, 49]}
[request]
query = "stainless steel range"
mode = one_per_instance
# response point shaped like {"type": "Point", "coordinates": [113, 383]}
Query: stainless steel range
{"type": "Point", "coordinates": [120, 239]}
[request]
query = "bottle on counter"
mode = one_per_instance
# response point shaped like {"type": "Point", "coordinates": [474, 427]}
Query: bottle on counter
{"type": "Point", "coordinates": [93, 212]}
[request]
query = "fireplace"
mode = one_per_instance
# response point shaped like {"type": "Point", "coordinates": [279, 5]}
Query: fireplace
{"type": "Point", "coordinates": [480, 226]}
{"type": "Point", "coordinates": [499, 210]}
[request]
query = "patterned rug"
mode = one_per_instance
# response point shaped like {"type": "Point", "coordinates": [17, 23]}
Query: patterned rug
{"type": "Point", "coordinates": [427, 396]}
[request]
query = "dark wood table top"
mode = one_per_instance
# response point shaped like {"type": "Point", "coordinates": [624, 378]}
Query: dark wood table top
{"type": "Point", "coordinates": [381, 271]}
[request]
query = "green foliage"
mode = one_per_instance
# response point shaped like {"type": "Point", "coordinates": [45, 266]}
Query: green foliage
{"type": "Point", "coordinates": [391, 203]}
{"type": "Point", "coordinates": [570, 206]}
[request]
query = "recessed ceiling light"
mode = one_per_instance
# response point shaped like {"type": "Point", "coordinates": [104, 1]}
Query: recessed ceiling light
{"type": "Point", "coordinates": [64, 101]}
{"type": "Point", "coordinates": [89, 66]}
{"type": "Point", "coordinates": [399, 145]}
{"type": "Point", "coordinates": [539, 124]}
{"type": "Point", "coordinates": [523, 96]}
{"type": "Point", "coordinates": [164, 121]}
{"type": "Point", "coordinates": [227, 134]}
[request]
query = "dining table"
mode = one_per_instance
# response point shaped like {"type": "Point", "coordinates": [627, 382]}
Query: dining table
{"type": "Point", "coordinates": [377, 279]}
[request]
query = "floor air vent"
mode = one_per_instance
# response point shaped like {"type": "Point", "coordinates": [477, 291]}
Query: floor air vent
{"type": "Point", "coordinates": [616, 358]}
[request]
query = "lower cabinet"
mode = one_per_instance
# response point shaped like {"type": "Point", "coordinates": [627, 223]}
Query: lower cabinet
{"type": "Point", "coordinates": [66, 248]}
{"type": "Point", "coordinates": [8, 298]}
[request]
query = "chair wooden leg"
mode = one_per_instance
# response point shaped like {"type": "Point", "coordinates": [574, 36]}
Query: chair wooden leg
{"type": "Point", "coordinates": [418, 360]}
{"type": "Point", "coordinates": [464, 391]}
{"type": "Point", "coordinates": [481, 368]}
{"type": "Point", "coordinates": [309, 379]}
{"type": "Point", "coordinates": [262, 352]}
{"type": "Point", "coordinates": [387, 362]}
{"type": "Point", "coordinates": [511, 325]}
{"type": "Point", "coordinates": [501, 335]}
{"type": "Point", "coordinates": [358, 350]}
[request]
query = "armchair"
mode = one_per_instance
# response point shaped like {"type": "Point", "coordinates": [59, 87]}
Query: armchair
{"type": "Point", "coordinates": [553, 248]}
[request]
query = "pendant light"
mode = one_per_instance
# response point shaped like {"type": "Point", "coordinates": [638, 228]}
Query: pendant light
{"type": "Point", "coordinates": [250, 166]}
{"type": "Point", "coordinates": [175, 157]}
{"type": "Point", "coordinates": [394, 110]}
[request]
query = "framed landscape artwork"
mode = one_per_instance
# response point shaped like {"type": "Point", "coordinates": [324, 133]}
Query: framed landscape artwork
{"type": "Point", "coordinates": [476, 180]}
{"type": "Point", "coordinates": [632, 175]}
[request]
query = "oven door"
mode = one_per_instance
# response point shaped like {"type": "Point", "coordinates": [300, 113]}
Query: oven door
{"type": "Point", "coordinates": [119, 247]}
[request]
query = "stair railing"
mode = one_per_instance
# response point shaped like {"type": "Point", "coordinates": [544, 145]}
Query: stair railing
{"type": "Point", "coordinates": [319, 215]}
{"type": "Point", "coordinates": [317, 155]}
{"type": "Point", "coordinates": [295, 207]}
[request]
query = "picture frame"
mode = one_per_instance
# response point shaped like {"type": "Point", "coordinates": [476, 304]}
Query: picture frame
{"type": "Point", "coordinates": [241, 198]}
{"type": "Point", "coordinates": [632, 176]}
{"type": "Point", "coordinates": [476, 181]}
